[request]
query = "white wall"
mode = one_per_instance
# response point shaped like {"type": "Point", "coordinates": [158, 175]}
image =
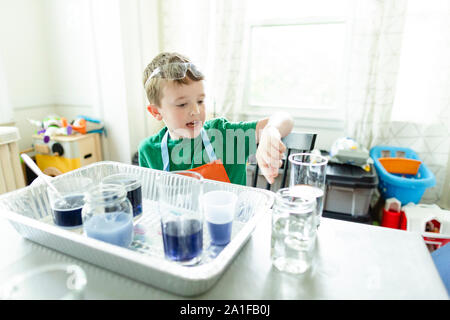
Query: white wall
{"type": "Point", "coordinates": [6, 113]}
{"type": "Point", "coordinates": [47, 60]}
{"type": "Point", "coordinates": [77, 57]}
{"type": "Point", "coordinates": [23, 44]}
{"type": "Point", "coordinates": [21, 116]}
{"type": "Point", "coordinates": [126, 39]}
{"type": "Point", "coordinates": [70, 52]}
{"type": "Point", "coordinates": [139, 23]}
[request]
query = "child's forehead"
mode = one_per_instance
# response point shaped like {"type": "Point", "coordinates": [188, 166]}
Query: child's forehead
{"type": "Point", "coordinates": [174, 90]}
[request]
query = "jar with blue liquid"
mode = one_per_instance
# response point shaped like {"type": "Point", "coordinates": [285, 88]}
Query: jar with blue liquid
{"type": "Point", "coordinates": [133, 187]}
{"type": "Point", "coordinates": [108, 215]}
{"type": "Point", "coordinates": [67, 200]}
{"type": "Point", "coordinates": [180, 208]}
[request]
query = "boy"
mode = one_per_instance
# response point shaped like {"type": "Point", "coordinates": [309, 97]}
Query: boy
{"type": "Point", "coordinates": [217, 149]}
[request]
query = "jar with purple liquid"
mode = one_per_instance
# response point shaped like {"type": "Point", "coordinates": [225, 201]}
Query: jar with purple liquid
{"type": "Point", "coordinates": [68, 202]}
{"type": "Point", "coordinates": [108, 215]}
{"type": "Point", "coordinates": [133, 187]}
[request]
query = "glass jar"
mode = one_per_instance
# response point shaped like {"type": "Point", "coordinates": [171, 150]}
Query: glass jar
{"type": "Point", "coordinates": [108, 215]}
{"type": "Point", "coordinates": [68, 201]}
{"type": "Point", "coordinates": [293, 231]}
{"type": "Point", "coordinates": [133, 187]}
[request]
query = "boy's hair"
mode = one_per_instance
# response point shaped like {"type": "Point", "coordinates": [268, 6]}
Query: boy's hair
{"type": "Point", "coordinates": [154, 87]}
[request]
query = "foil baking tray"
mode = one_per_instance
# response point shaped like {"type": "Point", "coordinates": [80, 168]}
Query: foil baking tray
{"type": "Point", "coordinates": [28, 210]}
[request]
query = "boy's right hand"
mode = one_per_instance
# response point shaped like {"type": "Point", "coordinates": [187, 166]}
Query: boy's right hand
{"type": "Point", "coordinates": [270, 152]}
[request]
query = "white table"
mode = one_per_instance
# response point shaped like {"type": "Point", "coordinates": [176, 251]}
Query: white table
{"type": "Point", "coordinates": [354, 261]}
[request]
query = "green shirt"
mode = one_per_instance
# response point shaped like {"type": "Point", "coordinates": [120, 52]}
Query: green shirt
{"type": "Point", "coordinates": [232, 142]}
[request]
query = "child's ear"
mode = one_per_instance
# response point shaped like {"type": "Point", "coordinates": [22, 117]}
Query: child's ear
{"type": "Point", "coordinates": [154, 111]}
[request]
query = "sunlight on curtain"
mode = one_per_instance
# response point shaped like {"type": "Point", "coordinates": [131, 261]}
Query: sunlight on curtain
{"type": "Point", "coordinates": [376, 39]}
{"type": "Point", "coordinates": [211, 34]}
{"type": "Point", "coordinates": [423, 82]}
{"type": "Point", "coordinates": [420, 115]}
{"type": "Point", "coordinates": [398, 82]}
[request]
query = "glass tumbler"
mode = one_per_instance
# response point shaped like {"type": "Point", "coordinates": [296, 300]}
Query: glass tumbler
{"type": "Point", "coordinates": [108, 215]}
{"type": "Point", "coordinates": [308, 177]}
{"type": "Point", "coordinates": [67, 203]}
{"type": "Point", "coordinates": [181, 211]}
{"type": "Point", "coordinates": [293, 231]}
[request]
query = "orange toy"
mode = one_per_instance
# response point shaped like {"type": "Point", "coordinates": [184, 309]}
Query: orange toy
{"type": "Point", "coordinates": [400, 165]}
{"type": "Point", "coordinates": [79, 125]}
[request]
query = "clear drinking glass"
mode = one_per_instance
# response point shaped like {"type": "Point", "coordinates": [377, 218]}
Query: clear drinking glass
{"type": "Point", "coordinates": [108, 215]}
{"type": "Point", "coordinates": [181, 210]}
{"type": "Point", "coordinates": [49, 282]}
{"type": "Point", "coordinates": [67, 203]}
{"type": "Point", "coordinates": [293, 231]}
{"type": "Point", "coordinates": [308, 176]}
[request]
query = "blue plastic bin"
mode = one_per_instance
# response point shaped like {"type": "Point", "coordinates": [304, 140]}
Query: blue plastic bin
{"type": "Point", "coordinates": [405, 188]}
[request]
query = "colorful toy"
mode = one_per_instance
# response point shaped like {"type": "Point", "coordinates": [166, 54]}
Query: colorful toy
{"type": "Point", "coordinates": [432, 222]}
{"type": "Point", "coordinates": [79, 125]}
{"type": "Point", "coordinates": [392, 214]}
{"type": "Point", "coordinates": [52, 126]}
{"type": "Point", "coordinates": [66, 153]}
{"type": "Point", "coordinates": [84, 124]}
{"type": "Point", "coordinates": [346, 150]}
{"type": "Point", "coordinates": [56, 126]}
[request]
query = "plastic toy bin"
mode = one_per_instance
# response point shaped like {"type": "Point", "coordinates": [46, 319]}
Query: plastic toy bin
{"type": "Point", "coordinates": [404, 187]}
{"type": "Point", "coordinates": [349, 189]}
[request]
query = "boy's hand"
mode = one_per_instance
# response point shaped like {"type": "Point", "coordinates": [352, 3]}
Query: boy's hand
{"type": "Point", "coordinates": [270, 152]}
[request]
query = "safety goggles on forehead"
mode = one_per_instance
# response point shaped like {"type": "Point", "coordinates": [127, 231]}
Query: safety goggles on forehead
{"type": "Point", "coordinates": [175, 71]}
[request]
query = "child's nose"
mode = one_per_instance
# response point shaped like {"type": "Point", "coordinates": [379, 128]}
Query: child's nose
{"type": "Point", "coordinates": [195, 109]}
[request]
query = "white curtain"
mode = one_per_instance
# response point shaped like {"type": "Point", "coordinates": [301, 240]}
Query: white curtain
{"type": "Point", "coordinates": [398, 82]}
{"type": "Point", "coordinates": [376, 38]}
{"type": "Point", "coordinates": [6, 112]}
{"type": "Point", "coordinates": [211, 33]}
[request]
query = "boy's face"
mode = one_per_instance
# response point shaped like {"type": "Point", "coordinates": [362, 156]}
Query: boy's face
{"type": "Point", "coordinates": [182, 108]}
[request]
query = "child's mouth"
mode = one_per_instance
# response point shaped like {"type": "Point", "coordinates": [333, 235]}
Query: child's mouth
{"type": "Point", "coordinates": [193, 124]}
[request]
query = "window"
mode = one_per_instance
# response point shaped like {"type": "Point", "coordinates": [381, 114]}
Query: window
{"type": "Point", "coordinates": [296, 57]}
